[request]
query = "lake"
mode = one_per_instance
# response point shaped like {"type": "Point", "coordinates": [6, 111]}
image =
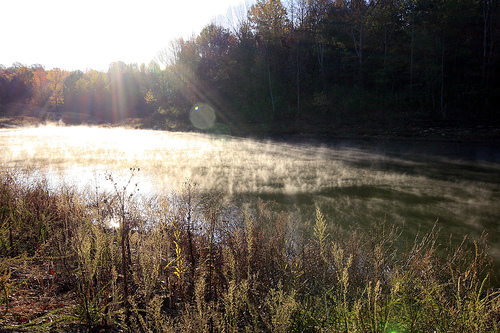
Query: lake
{"type": "Point", "coordinates": [352, 182]}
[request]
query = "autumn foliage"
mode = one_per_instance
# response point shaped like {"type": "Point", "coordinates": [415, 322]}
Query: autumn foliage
{"type": "Point", "coordinates": [293, 66]}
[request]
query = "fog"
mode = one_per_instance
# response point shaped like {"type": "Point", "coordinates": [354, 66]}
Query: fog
{"type": "Point", "coordinates": [353, 183]}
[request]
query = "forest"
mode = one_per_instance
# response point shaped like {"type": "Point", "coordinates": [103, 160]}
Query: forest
{"type": "Point", "coordinates": [299, 66]}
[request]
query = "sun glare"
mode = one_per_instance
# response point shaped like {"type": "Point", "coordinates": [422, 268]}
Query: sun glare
{"type": "Point", "coordinates": [202, 116]}
{"type": "Point", "coordinates": [98, 33]}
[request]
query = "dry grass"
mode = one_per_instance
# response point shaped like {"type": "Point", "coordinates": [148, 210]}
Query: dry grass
{"type": "Point", "coordinates": [191, 261]}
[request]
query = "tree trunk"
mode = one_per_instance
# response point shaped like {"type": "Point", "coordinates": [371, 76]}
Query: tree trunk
{"type": "Point", "coordinates": [270, 86]}
{"type": "Point", "coordinates": [360, 54]}
{"type": "Point", "coordinates": [298, 79]}
{"type": "Point", "coordinates": [486, 10]}
{"type": "Point", "coordinates": [321, 60]}
{"type": "Point", "coordinates": [443, 111]}
{"type": "Point", "coordinates": [411, 48]}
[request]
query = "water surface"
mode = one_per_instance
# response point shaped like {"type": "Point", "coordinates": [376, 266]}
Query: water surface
{"type": "Point", "coordinates": [352, 183]}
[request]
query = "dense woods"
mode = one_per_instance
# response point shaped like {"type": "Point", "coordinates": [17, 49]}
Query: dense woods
{"type": "Point", "coordinates": [303, 65]}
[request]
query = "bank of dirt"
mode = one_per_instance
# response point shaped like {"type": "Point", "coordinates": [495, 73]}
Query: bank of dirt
{"type": "Point", "coordinates": [425, 131]}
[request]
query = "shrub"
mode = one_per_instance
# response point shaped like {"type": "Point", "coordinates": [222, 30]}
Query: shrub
{"type": "Point", "coordinates": [192, 261]}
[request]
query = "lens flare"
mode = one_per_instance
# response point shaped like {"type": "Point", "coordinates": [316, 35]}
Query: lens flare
{"type": "Point", "coordinates": [202, 116]}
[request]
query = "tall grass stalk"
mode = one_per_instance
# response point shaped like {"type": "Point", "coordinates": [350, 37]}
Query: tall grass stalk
{"type": "Point", "coordinates": [192, 261]}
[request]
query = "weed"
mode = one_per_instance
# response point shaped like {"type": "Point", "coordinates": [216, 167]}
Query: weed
{"type": "Point", "coordinates": [193, 262]}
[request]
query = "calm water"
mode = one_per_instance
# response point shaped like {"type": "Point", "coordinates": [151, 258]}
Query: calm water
{"type": "Point", "coordinates": [351, 182]}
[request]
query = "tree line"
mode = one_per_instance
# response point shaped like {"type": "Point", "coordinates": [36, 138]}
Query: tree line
{"type": "Point", "coordinates": [294, 66]}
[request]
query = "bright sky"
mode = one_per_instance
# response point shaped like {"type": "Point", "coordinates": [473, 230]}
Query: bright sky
{"type": "Point", "coordinates": [91, 34]}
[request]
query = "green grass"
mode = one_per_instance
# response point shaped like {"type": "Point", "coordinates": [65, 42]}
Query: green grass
{"type": "Point", "coordinates": [182, 263]}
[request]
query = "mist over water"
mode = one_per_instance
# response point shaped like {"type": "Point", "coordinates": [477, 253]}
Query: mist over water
{"type": "Point", "coordinates": [351, 182]}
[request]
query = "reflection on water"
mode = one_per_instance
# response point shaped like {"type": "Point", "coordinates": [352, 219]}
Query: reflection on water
{"type": "Point", "coordinates": [350, 182]}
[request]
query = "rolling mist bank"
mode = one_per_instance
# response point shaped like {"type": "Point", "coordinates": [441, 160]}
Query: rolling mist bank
{"type": "Point", "coordinates": [351, 181]}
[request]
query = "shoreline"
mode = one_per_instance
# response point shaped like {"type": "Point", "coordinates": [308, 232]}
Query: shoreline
{"type": "Point", "coordinates": [483, 135]}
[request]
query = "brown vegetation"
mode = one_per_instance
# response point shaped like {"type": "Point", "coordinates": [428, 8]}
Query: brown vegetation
{"type": "Point", "coordinates": [191, 261]}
